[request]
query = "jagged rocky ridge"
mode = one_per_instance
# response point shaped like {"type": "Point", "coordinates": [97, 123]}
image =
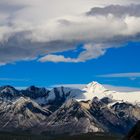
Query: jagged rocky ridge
{"type": "Point", "coordinates": [67, 111]}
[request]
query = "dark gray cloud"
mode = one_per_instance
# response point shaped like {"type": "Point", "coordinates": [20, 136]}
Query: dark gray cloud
{"type": "Point", "coordinates": [18, 48]}
{"type": "Point", "coordinates": [116, 10]}
{"type": "Point", "coordinates": [8, 8]}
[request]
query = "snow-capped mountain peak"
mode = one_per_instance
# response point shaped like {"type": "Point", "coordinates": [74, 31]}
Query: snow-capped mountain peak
{"type": "Point", "coordinates": [94, 87]}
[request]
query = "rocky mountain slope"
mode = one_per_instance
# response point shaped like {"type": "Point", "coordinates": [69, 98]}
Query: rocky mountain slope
{"type": "Point", "coordinates": [22, 114]}
{"type": "Point", "coordinates": [63, 110]}
{"type": "Point", "coordinates": [134, 133]}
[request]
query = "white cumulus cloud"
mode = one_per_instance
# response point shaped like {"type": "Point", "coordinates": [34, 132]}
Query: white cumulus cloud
{"type": "Point", "coordinates": [90, 52]}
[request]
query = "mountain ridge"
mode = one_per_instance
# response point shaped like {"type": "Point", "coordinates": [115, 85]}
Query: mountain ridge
{"type": "Point", "coordinates": [91, 90]}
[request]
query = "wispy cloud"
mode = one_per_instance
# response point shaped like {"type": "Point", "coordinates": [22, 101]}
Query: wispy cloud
{"type": "Point", "coordinates": [121, 88]}
{"type": "Point", "coordinates": [14, 79]}
{"type": "Point", "coordinates": [90, 52]}
{"type": "Point", "coordinates": [121, 75]}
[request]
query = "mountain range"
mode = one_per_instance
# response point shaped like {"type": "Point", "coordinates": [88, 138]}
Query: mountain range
{"type": "Point", "coordinates": [64, 110]}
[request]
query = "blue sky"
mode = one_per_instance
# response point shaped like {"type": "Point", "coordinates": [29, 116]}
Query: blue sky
{"type": "Point", "coordinates": [117, 60]}
{"type": "Point", "coordinates": [59, 42]}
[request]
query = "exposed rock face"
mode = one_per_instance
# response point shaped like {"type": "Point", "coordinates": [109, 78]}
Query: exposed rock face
{"type": "Point", "coordinates": [72, 118]}
{"type": "Point", "coordinates": [109, 117]}
{"type": "Point", "coordinates": [35, 92]}
{"type": "Point", "coordinates": [22, 114]}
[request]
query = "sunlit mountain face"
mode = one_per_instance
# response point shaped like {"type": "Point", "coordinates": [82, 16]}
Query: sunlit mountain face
{"type": "Point", "coordinates": [52, 50]}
